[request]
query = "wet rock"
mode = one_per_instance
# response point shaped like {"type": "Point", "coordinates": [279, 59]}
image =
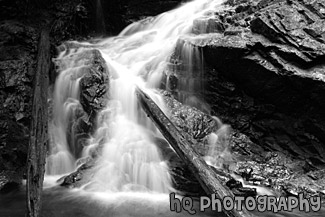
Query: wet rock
{"type": "Point", "coordinates": [80, 177]}
{"type": "Point", "coordinates": [191, 120]}
{"type": "Point", "coordinates": [264, 76]}
{"type": "Point", "coordinates": [232, 183]}
{"type": "Point", "coordinates": [266, 79]}
{"type": "Point", "coordinates": [188, 118]}
{"type": "Point", "coordinates": [94, 89]}
{"type": "Point", "coordinates": [208, 25]}
{"type": "Point", "coordinates": [283, 174]}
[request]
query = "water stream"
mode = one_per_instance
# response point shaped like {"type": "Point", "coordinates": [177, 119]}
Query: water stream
{"type": "Point", "coordinates": [139, 55]}
{"type": "Point", "coordinates": [130, 177]}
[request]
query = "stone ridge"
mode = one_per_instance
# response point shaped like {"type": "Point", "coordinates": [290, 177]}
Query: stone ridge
{"type": "Point", "coordinates": [264, 75]}
{"type": "Point", "coordinates": [272, 54]}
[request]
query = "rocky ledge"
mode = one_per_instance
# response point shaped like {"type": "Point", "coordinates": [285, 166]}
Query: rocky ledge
{"type": "Point", "coordinates": [264, 75]}
{"type": "Point", "coordinates": [267, 72]}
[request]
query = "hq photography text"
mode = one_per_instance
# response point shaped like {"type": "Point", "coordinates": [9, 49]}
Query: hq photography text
{"type": "Point", "coordinates": [260, 203]}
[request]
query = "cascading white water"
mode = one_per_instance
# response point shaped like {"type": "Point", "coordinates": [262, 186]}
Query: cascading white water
{"type": "Point", "coordinates": [129, 160]}
{"type": "Point", "coordinates": [190, 70]}
{"type": "Point", "coordinates": [219, 154]}
{"type": "Point", "coordinates": [66, 101]}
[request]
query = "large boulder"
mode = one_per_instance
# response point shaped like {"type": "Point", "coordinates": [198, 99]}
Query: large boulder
{"type": "Point", "coordinates": [94, 90]}
{"type": "Point", "coordinates": [281, 174]}
{"type": "Point", "coordinates": [94, 84]}
{"type": "Point", "coordinates": [263, 75]}
{"type": "Point", "coordinates": [264, 72]}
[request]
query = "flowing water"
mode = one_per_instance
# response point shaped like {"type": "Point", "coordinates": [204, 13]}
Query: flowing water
{"type": "Point", "coordinates": [129, 177]}
{"type": "Point", "coordinates": [138, 56]}
{"type": "Point", "coordinates": [129, 171]}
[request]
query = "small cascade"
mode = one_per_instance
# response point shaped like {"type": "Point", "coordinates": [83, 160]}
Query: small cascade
{"type": "Point", "coordinates": [219, 154]}
{"type": "Point", "coordinates": [66, 104]}
{"type": "Point", "coordinates": [129, 160]}
{"type": "Point", "coordinates": [187, 70]}
{"type": "Point", "coordinates": [190, 70]}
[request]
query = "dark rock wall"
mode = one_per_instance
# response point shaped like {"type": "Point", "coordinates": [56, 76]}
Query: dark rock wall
{"type": "Point", "coordinates": [17, 63]}
{"type": "Point", "coordinates": [265, 73]}
{"type": "Point", "coordinates": [119, 13]}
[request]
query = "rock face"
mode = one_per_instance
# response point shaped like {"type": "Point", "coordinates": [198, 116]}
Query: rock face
{"type": "Point", "coordinates": [266, 72]}
{"type": "Point", "coordinates": [94, 88]}
{"type": "Point", "coordinates": [264, 75]}
{"type": "Point", "coordinates": [17, 61]}
{"type": "Point", "coordinates": [190, 120]}
{"type": "Point", "coordinates": [94, 84]}
{"type": "Point", "coordinates": [80, 177]}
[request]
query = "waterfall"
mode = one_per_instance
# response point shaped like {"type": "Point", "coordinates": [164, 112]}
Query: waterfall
{"type": "Point", "coordinates": [128, 160]}
{"type": "Point", "coordinates": [189, 70]}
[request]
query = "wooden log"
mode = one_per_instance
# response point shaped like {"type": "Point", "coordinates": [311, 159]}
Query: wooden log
{"type": "Point", "coordinates": [183, 145]}
{"type": "Point", "coordinates": [39, 127]}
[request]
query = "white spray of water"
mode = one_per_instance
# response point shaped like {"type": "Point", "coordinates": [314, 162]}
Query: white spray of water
{"type": "Point", "coordinates": [260, 190]}
{"type": "Point", "coordinates": [219, 154]}
{"type": "Point", "coordinates": [129, 160]}
{"type": "Point", "coordinates": [66, 101]}
{"type": "Point", "coordinates": [189, 71]}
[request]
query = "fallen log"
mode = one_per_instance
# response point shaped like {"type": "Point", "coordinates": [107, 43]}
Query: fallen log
{"type": "Point", "coordinates": [38, 133]}
{"type": "Point", "coordinates": [183, 145]}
